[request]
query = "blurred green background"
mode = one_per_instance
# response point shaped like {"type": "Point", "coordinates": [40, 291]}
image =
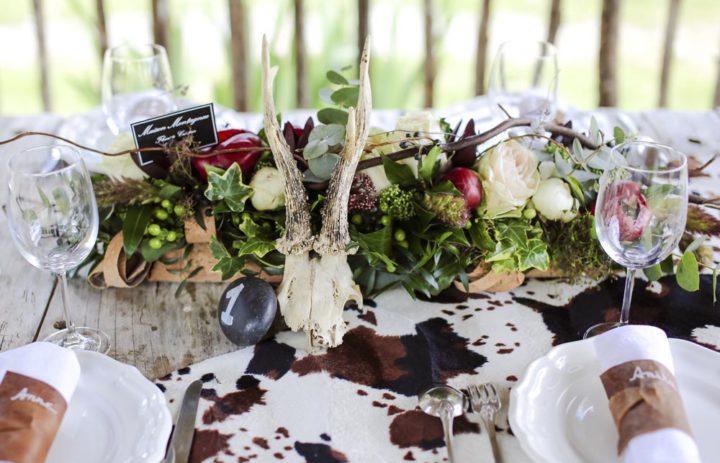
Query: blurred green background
{"type": "Point", "coordinates": [199, 50]}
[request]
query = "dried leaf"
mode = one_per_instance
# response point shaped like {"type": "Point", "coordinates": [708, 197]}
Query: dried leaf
{"type": "Point", "coordinates": [699, 221]}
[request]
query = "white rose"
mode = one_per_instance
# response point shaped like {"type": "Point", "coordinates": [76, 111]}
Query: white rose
{"type": "Point", "coordinates": [554, 201]}
{"type": "Point", "coordinates": [268, 189]}
{"type": "Point", "coordinates": [120, 166]}
{"type": "Point", "coordinates": [509, 177]}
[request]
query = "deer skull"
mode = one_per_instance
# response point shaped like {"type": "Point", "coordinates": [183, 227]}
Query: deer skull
{"type": "Point", "coordinates": [314, 289]}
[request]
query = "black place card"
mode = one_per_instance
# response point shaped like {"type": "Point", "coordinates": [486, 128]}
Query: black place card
{"type": "Point", "coordinates": [197, 122]}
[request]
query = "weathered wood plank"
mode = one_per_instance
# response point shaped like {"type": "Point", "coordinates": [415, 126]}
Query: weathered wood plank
{"type": "Point", "coordinates": [363, 25]}
{"type": "Point", "coordinates": [161, 18]}
{"type": "Point", "coordinates": [607, 58]}
{"type": "Point", "coordinates": [429, 66]}
{"type": "Point", "coordinates": [670, 28]}
{"type": "Point", "coordinates": [102, 27]}
{"type": "Point", "coordinates": [42, 54]}
{"type": "Point", "coordinates": [481, 53]}
{"type": "Point", "coordinates": [148, 327]}
{"type": "Point", "coordinates": [238, 47]}
{"type": "Point", "coordinates": [301, 91]}
{"type": "Point", "coordinates": [554, 21]}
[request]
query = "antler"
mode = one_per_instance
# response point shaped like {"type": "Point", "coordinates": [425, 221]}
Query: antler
{"type": "Point", "coordinates": [298, 234]}
{"type": "Point", "coordinates": [334, 235]}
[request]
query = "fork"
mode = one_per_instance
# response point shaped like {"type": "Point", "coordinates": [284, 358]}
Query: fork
{"type": "Point", "coordinates": [485, 401]}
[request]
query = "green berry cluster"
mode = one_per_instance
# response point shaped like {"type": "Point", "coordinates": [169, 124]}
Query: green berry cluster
{"type": "Point", "coordinates": [397, 203]}
{"type": "Point", "coordinates": [168, 225]}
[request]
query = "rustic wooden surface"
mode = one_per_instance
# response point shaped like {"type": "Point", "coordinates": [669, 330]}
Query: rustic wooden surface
{"type": "Point", "coordinates": [158, 333]}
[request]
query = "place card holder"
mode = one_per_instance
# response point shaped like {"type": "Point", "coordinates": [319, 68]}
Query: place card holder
{"type": "Point", "coordinates": [643, 397]}
{"type": "Point", "coordinates": [30, 415]}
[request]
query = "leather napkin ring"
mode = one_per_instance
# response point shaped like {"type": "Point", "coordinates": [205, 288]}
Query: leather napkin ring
{"type": "Point", "coordinates": [30, 415]}
{"type": "Point", "coordinates": [643, 397]}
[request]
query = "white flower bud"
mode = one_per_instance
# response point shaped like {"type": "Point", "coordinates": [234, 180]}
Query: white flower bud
{"type": "Point", "coordinates": [268, 189]}
{"type": "Point", "coordinates": [554, 201]}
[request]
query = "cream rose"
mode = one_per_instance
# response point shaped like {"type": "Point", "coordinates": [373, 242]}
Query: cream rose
{"type": "Point", "coordinates": [554, 201]}
{"type": "Point", "coordinates": [509, 174]}
{"type": "Point", "coordinates": [268, 189]}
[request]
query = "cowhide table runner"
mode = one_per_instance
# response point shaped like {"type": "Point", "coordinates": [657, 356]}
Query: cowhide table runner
{"type": "Point", "coordinates": [357, 403]}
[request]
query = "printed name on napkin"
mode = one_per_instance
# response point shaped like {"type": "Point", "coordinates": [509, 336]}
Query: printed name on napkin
{"type": "Point", "coordinates": [30, 415]}
{"type": "Point", "coordinates": [643, 397]}
{"type": "Point", "coordinates": [196, 124]}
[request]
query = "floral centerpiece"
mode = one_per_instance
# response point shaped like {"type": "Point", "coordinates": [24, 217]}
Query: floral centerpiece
{"type": "Point", "coordinates": [428, 207]}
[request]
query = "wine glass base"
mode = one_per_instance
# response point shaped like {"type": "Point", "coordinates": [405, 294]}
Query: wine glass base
{"type": "Point", "coordinates": [82, 338]}
{"type": "Point", "coordinates": [601, 328]}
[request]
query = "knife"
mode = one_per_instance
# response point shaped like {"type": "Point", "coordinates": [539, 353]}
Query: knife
{"type": "Point", "coordinates": [181, 442]}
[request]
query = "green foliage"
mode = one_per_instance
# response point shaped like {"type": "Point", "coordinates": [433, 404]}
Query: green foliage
{"type": "Point", "coordinates": [519, 246]}
{"type": "Point", "coordinates": [397, 203]}
{"type": "Point", "coordinates": [397, 172]}
{"type": "Point", "coordinates": [446, 204]}
{"type": "Point", "coordinates": [574, 250]}
{"type": "Point", "coordinates": [687, 275]}
{"type": "Point", "coordinates": [136, 220]}
{"type": "Point", "coordinates": [228, 188]}
{"type": "Point", "coordinates": [227, 264]}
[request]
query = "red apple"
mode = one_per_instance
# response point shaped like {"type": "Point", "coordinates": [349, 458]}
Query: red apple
{"type": "Point", "coordinates": [231, 139]}
{"type": "Point", "coordinates": [625, 203]}
{"type": "Point", "coordinates": [468, 183]}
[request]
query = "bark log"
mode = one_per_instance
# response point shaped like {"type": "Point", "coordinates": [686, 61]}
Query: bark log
{"type": "Point", "coordinates": [607, 59]}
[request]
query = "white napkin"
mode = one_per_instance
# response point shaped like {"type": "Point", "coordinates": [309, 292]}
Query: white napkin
{"type": "Point", "coordinates": [46, 362]}
{"type": "Point", "coordinates": [641, 342]}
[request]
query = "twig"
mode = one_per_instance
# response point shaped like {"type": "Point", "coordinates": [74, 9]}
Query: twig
{"type": "Point", "coordinates": [697, 170]}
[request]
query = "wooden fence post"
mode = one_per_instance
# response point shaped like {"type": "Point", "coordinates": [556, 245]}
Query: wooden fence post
{"type": "Point", "coordinates": [300, 73]}
{"type": "Point", "coordinates": [607, 59]}
{"type": "Point", "coordinates": [670, 28]}
{"type": "Point", "coordinates": [238, 53]}
{"type": "Point", "coordinates": [42, 54]}
{"type": "Point", "coordinates": [429, 67]}
{"type": "Point", "coordinates": [481, 54]}
{"type": "Point", "coordinates": [102, 27]}
{"type": "Point", "coordinates": [161, 17]}
{"type": "Point", "coordinates": [554, 22]}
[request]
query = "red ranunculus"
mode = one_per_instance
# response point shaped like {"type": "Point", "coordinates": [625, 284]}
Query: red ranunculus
{"type": "Point", "coordinates": [625, 203]}
{"type": "Point", "coordinates": [231, 139]}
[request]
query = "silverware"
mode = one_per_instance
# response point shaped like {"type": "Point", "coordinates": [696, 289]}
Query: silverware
{"type": "Point", "coordinates": [446, 403]}
{"type": "Point", "coordinates": [182, 437]}
{"type": "Point", "coordinates": [486, 401]}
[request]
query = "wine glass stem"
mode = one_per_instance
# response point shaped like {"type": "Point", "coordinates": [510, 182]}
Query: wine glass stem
{"type": "Point", "coordinates": [627, 296]}
{"type": "Point", "coordinates": [62, 279]}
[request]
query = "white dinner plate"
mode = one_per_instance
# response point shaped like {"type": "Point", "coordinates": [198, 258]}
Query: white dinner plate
{"type": "Point", "coordinates": [115, 415]}
{"type": "Point", "coordinates": [559, 411]}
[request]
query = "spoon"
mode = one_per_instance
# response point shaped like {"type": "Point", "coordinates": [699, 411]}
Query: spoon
{"type": "Point", "coordinates": [446, 403]}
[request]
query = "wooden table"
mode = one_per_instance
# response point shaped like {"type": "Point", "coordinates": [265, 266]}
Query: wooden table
{"type": "Point", "coordinates": [158, 333]}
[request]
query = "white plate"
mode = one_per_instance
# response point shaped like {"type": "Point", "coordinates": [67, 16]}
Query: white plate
{"type": "Point", "coordinates": [559, 411]}
{"type": "Point", "coordinates": [115, 415]}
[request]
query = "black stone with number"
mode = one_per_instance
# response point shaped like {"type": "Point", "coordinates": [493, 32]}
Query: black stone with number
{"type": "Point", "coordinates": [247, 310]}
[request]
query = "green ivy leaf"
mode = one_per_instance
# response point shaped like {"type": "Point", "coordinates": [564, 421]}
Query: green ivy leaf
{"type": "Point", "coordinates": [257, 248]}
{"type": "Point", "coordinates": [480, 237]}
{"type": "Point", "coordinates": [346, 96]}
{"type": "Point", "coordinates": [229, 188]}
{"type": "Point", "coordinates": [336, 78]}
{"type": "Point", "coordinates": [688, 274]}
{"type": "Point", "coordinates": [397, 172]}
{"type": "Point", "coordinates": [136, 221]}
{"type": "Point", "coordinates": [430, 164]}
{"type": "Point", "coordinates": [333, 116]}
{"type": "Point", "coordinates": [227, 264]}
{"type": "Point", "coordinates": [533, 255]}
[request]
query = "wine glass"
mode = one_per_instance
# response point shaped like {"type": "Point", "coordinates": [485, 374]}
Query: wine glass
{"type": "Point", "coordinates": [53, 221]}
{"type": "Point", "coordinates": [136, 84]}
{"type": "Point", "coordinates": [524, 79]}
{"type": "Point", "coordinates": [641, 211]}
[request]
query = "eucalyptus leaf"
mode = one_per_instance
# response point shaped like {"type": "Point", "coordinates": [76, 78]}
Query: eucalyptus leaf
{"type": "Point", "coordinates": [563, 166]}
{"type": "Point", "coordinates": [333, 116]}
{"type": "Point", "coordinates": [688, 274]}
{"type": "Point", "coordinates": [336, 78]}
{"type": "Point", "coordinates": [323, 166]}
{"type": "Point", "coordinates": [578, 150]}
{"type": "Point", "coordinates": [600, 159]}
{"type": "Point", "coordinates": [594, 131]}
{"type": "Point", "coordinates": [346, 96]}
{"type": "Point", "coordinates": [315, 149]}
{"type": "Point", "coordinates": [331, 134]}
